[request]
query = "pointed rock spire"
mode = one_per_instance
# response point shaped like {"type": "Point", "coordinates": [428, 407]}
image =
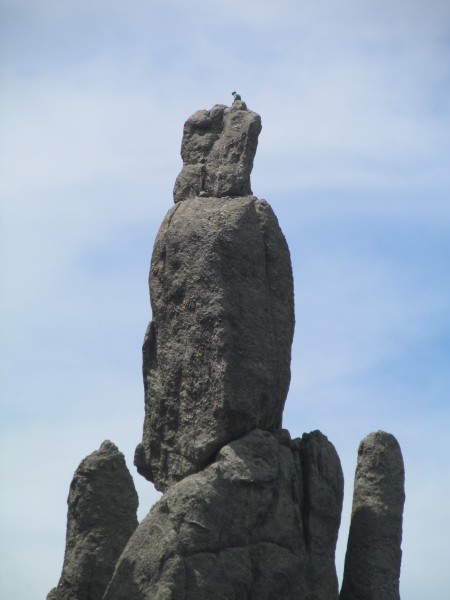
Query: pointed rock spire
{"type": "Point", "coordinates": [101, 517]}
{"type": "Point", "coordinates": [372, 562]}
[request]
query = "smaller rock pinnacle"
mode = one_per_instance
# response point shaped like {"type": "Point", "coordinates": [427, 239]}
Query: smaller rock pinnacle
{"type": "Point", "coordinates": [372, 562]}
{"type": "Point", "coordinates": [101, 517]}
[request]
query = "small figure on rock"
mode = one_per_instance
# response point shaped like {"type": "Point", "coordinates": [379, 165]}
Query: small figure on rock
{"type": "Point", "coordinates": [203, 177]}
{"type": "Point", "coordinates": [236, 96]}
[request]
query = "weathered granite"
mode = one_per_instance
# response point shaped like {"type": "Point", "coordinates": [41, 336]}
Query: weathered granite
{"type": "Point", "coordinates": [248, 513]}
{"type": "Point", "coordinates": [101, 517]}
{"type": "Point", "coordinates": [259, 523]}
{"type": "Point", "coordinates": [216, 357]}
{"type": "Point", "coordinates": [218, 149]}
{"type": "Point", "coordinates": [373, 558]}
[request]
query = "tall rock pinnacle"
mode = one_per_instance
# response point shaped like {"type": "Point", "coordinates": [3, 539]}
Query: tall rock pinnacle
{"type": "Point", "coordinates": [247, 512]}
{"type": "Point", "coordinates": [372, 562]}
{"type": "Point", "coordinates": [217, 352]}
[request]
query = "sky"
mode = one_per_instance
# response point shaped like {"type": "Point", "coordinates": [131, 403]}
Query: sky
{"type": "Point", "coordinates": [353, 157]}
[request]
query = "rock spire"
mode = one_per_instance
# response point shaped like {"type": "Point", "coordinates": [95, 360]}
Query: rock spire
{"type": "Point", "coordinates": [372, 563]}
{"type": "Point", "coordinates": [101, 517]}
{"type": "Point", "coordinates": [217, 352]}
{"type": "Point", "coordinates": [247, 513]}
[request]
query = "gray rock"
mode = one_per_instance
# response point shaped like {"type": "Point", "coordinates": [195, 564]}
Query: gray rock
{"type": "Point", "coordinates": [248, 513]}
{"type": "Point", "coordinates": [101, 517]}
{"type": "Point", "coordinates": [216, 357]}
{"type": "Point", "coordinates": [372, 562]}
{"type": "Point", "coordinates": [218, 149]}
{"type": "Point", "coordinates": [321, 512]}
{"type": "Point", "coordinates": [249, 526]}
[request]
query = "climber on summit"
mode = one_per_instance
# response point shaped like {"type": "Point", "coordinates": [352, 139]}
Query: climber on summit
{"type": "Point", "coordinates": [236, 96]}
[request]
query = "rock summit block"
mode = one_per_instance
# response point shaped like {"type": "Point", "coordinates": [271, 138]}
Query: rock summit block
{"type": "Point", "coordinates": [218, 149]}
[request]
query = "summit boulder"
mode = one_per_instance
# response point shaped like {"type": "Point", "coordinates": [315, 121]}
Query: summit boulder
{"type": "Point", "coordinates": [218, 149]}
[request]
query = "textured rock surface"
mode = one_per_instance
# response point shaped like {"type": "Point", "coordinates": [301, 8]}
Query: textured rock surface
{"type": "Point", "coordinates": [248, 513]}
{"type": "Point", "coordinates": [101, 518]}
{"type": "Point", "coordinates": [217, 353]}
{"type": "Point", "coordinates": [372, 562]}
{"type": "Point", "coordinates": [218, 149]}
{"type": "Point", "coordinates": [259, 523]}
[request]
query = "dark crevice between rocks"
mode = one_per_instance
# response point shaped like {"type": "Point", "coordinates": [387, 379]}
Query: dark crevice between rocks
{"type": "Point", "coordinates": [240, 547]}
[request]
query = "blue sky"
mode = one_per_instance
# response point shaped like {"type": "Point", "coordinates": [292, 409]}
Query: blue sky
{"type": "Point", "coordinates": [354, 158]}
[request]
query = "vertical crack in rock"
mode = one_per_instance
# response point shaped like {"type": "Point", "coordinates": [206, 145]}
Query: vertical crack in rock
{"type": "Point", "coordinates": [372, 562]}
{"type": "Point", "coordinates": [101, 517]}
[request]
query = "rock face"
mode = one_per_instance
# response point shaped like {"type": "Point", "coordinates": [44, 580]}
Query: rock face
{"type": "Point", "coordinates": [217, 353]}
{"type": "Point", "coordinates": [218, 149]}
{"type": "Point", "coordinates": [372, 562]}
{"type": "Point", "coordinates": [247, 513]}
{"type": "Point", "coordinates": [261, 522]}
{"type": "Point", "coordinates": [101, 517]}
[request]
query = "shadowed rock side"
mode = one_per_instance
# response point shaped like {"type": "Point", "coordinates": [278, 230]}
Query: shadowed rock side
{"type": "Point", "coordinates": [101, 517]}
{"type": "Point", "coordinates": [372, 562]}
{"type": "Point", "coordinates": [259, 523]}
{"type": "Point", "coordinates": [216, 357]}
{"type": "Point", "coordinates": [218, 149]}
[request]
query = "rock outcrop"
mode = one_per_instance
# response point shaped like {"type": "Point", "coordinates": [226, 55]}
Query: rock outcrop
{"type": "Point", "coordinates": [101, 517]}
{"type": "Point", "coordinates": [218, 149]}
{"type": "Point", "coordinates": [247, 512]}
{"type": "Point", "coordinates": [372, 562]}
{"type": "Point", "coordinates": [260, 522]}
{"type": "Point", "coordinates": [217, 353]}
